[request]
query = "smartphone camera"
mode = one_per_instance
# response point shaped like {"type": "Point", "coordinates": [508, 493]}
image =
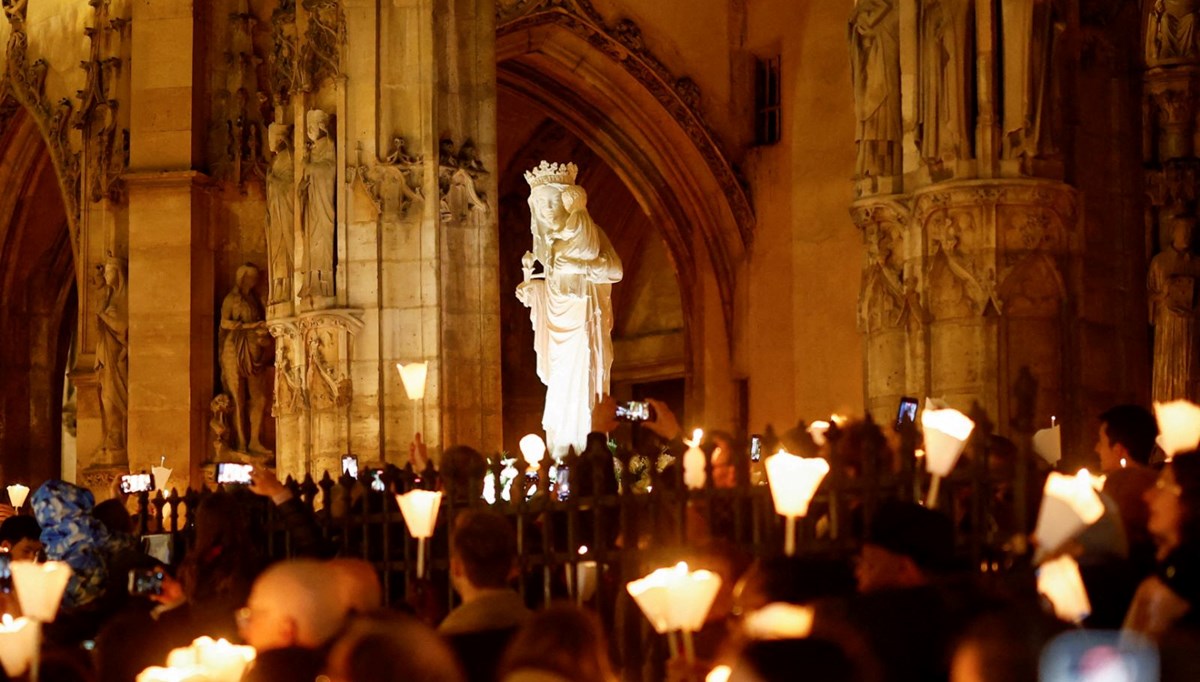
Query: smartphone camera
{"type": "Point", "coordinates": [755, 447]}
{"type": "Point", "coordinates": [350, 466]}
{"type": "Point", "coordinates": [234, 473]}
{"type": "Point", "coordinates": [635, 411]}
{"type": "Point", "coordinates": [136, 483]}
{"type": "Point", "coordinates": [907, 412]}
{"type": "Point", "coordinates": [145, 581]}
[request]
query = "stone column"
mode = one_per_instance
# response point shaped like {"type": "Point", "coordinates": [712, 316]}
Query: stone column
{"type": "Point", "coordinates": [171, 316]}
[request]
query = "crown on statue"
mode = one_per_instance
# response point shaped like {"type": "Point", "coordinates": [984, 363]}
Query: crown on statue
{"type": "Point", "coordinates": [556, 173]}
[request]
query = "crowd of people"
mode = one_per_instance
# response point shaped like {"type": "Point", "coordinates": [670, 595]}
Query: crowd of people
{"type": "Point", "coordinates": [905, 607]}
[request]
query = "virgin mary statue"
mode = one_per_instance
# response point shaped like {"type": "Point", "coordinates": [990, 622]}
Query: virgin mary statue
{"type": "Point", "coordinates": [570, 304]}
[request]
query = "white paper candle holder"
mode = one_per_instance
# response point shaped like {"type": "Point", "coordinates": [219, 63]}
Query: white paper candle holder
{"type": "Point", "coordinates": [420, 511]}
{"type": "Point", "coordinates": [794, 481]}
{"type": "Point", "coordinates": [946, 433]}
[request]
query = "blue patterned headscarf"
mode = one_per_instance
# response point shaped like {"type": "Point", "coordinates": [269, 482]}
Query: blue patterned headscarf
{"type": "Point", "coordinates": [71, 534]}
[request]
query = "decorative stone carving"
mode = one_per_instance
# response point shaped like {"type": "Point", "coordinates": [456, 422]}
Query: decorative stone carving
{"type": "Point", "coordinates": [107, 152]}
{"type": "Point", "coordinates": [320, 55]}
{"type": "Point", "coordinates": [1030, 35]}
{"type": "Point", "coordinates": [570, 306]}
{"type": "Point", "coordinates": [623, 43]}
{"type": "Point", "coordinates": [391, 183]}
{"type": "Point", "coordinates": [318, 186]}
{"type": "Point", "coordinates": [1171, 32]}
{"type": "Point", "coordinates": [1173, 312]}
{"type": "Point", "coordinates": [457, 173]}
{"type": "Point", "coordinates": [112, 358]}
{"type": "Point", "coordinates": [882, 297]}
{"type": "Point", "coordinates": [281, 214]}
{"type": "Point", "coordinates": [282, 60]}
{"type": "Point", "coordinates": [244, 345]}
{"type": "Point", "coordinates": [875, 68]}
{"type": "Point", "coordinates": [946, 77]}
{"type": "Point", "coordinates": [220, 408]}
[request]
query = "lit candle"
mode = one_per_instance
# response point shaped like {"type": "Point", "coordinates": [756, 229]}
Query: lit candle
{"type": "Point", "coordinates": [17, 494]}
{"type": "Point", "coordinates": [817, 431]}
{"type": "Point", "coordinates": [1069, 504]}
{"type": "Point", "coordinates": [676, 599]}
{"type": "Point", "coordinates": [1060, 581]}
{"type": "Point", "coordinates": [793, 480]}
{"type": "Point", "coordinates": [586, 575]}
{"type": "Point", "coordinates": [720, 673]}
{"type": "Point", "coordinates": [946, 434]}
{"type": "Point", "coordinates": [694, 475]}
{"type": "Point", "coordinates": [414, 376]}
{"type": "Point", "coordinates": [1178, 426]}
{"type": "Point", "coordinates": [533, 451]}
{"type": "Point", "coordinates": [18, 643]}
{"type": "Point", "coordinates": [420, 511]}
{"type": "Point", "coordinates": [779, 621]}
{"type": "Point", "coordinates": [1047, 443]}
{"type": "Point", "coordinates": [40, 587]}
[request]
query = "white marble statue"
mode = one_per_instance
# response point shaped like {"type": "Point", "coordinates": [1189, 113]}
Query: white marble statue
{"type": "Point", "coordinates": [320, 178]}
{"type": "Point", "coordinates": [112, 356]}
{"type": "Point", "coordinates": [570, 305]}
{"type": "Point", "coordinates": [281, 212]}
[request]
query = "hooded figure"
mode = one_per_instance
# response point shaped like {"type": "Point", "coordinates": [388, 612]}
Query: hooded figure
{"type": "Point", "coordinates": [73, 535]}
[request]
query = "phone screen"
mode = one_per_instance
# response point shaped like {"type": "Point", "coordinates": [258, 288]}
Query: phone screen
{"type": "Point", "coordinates": [232, 472]}
{"type": "Point", "coordinates": [350, 466]}
{"type": "Point", "coordinates": [635, 411]}
{"type": "Point", "coordinates": [137, 483]}
{"type": "Point", "coordinates": [907, 412]}
{"type": "Point", "coordinates": [376, 478]}
{"type": "Point", "coordinates": [755, 447]}
{"type": "Point", "coordinates": [145, 581]}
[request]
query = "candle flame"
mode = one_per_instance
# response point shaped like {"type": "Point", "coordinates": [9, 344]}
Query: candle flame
{"type": "Point", "coordinates": [583, 550]}
{"type": "Point", "coordinates": [1122, 462]}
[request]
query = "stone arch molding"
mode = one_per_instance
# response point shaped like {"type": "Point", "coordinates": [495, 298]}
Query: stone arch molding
{"type": "Point", "coordinates": [602, 82]}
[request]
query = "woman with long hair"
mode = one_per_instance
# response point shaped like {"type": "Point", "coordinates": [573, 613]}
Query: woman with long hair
{"type": "Point", "coordinates": [561, 643]}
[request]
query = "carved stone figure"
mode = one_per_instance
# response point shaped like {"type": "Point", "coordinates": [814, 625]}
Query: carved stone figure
{"type": "Point", "coordinates": [318, 184]}
{"type": "Point", "coordinates": [281, 211]}
{"type": "Point", "coordinates": [875, 67]}
{"type": "Point", "coordinates": [1171, 31]}
{"type": "Point", "coordinates": [1028, 73]}
{"type": "Point", "coordinates": [112, 356]}
{"type": "Point", "coordinates": [945, 78]}
{"type": "Point", "coordinates": [571, 306]}
{"type": "Point", "coordinates": [244, 344]}
{"type": "Point", "coordinates": [1171, 287]}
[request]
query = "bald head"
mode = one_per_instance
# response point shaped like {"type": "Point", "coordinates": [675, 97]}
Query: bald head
{"type": "Point", "coordinates": [293, 603]}
{"type": "Point", "coordinates": [358, 584]}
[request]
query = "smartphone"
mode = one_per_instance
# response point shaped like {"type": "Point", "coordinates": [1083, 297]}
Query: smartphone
{"type": "Point", "coordinates": [6, 580]}
{"type": "Point", "coordinates": [635, 411]}
{"type": "Point", "coordinates": [1099, 655]}
{"type": "Point", "coordinates": [375, 477]}
{"type": "Point", "coordinates": [907, 412]}
{"type": "Point", "coordinates": [137, 483]}
{"type": "Point", "coordinates": [562, 483]}
{"type": "Point", "coordinates": [233, 472]}
{"type": "Point", "coordinates": [350, 466]}
{"type": "Point", "coordinates": [145, 581]}
{"type": "Point", "coordinates": [755, 447]}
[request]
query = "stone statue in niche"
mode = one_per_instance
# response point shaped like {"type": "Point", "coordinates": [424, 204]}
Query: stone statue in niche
{"type": "Point", "coordinates": [112, 356]}
{"type": "Point", "coordinates": [1029, 37]}
{"type": "Point", "coordinates": [318, 184]}
{"type": "Point", "coordinates": [245, 354]}
{"type": "Point", "coordinates": [281, 211]}
{"type": "Point", "coordinates": [944, 104]}
{"type": "Point", "coordinates": [1171, 285]}
{"type": "Point", "coordinates": [875, 68]}
{"type": "Point", "coordinates": [570, 304]}
{"type": "Point", "coordinates": [1171, 31]}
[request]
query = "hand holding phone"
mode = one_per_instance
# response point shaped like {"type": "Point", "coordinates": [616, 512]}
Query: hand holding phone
{"type": "Point", "coordinates": [907, 412]}
{"type": "Point", "coordinates": [144, 582]}
{"type": "Point", "coordinates": [635, 411]}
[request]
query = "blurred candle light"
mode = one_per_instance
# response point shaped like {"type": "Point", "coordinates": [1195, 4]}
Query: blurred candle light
{"type": "Point", "coordinates": [817, 431]}
{"type": "Point", "coordinates": [420, 511]}
{"type": "Point", "coordinates": [18, 642]}
{"type": "Point", "coordinates": [1060, 582]}
{"type": "Point", "coordinates": [586, 575]}
{"type": "Point", "coordinates": [694, 475]}
{"type": "Point", "coordinates": [1178, 426]}
{"type": "Point", "coordinates": [676, 599]}
{"type": "Point", "coordinates": [720, 673]}
{"type": "Point", "coordinates": [779, 620]}
{"type": "Point", "coordinates": [946, 434]}
{"type": "Point", "coordinates": [40, 587]}
{"type": "Point", "coordinates": [1069, 504]}
{"type": "Point", "coordinates": [793, 480]}
{"type": "Point", "coordinates": [533, 450]}
{"type": "Point", "coordinates": [17, 494]}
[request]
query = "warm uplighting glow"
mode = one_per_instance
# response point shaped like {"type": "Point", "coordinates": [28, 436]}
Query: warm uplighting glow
{"type": "Point", "coordinates": [40, 587]}
{"type": "Point", "coordinates": [533, 450]}
{"type": "Point", "coordinates": [420, 511]}
{"type": "Point", "coordinates": [1048, 444]}
{"type": "Point", "coordinates": [1069, 504]}
{"type": "Point", "coordinates": [18, 641]}
{"type": "Point", "coordinates": [17, 494]}
{"type": "Point", "coordinates": [946, 434]}
{"type": "Point", "coordinates": [1178, 426]}
{"type": "Point", "coordinates": [676, 598]}
{"type": "Point", "coordinates": [1060, 581]}
{"type": "Point", "coordinates": [413, 375]}
{"type": "Point", "coordinates": [779, 621]}
{"type": "Point", "coordinates": [694, 475]}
